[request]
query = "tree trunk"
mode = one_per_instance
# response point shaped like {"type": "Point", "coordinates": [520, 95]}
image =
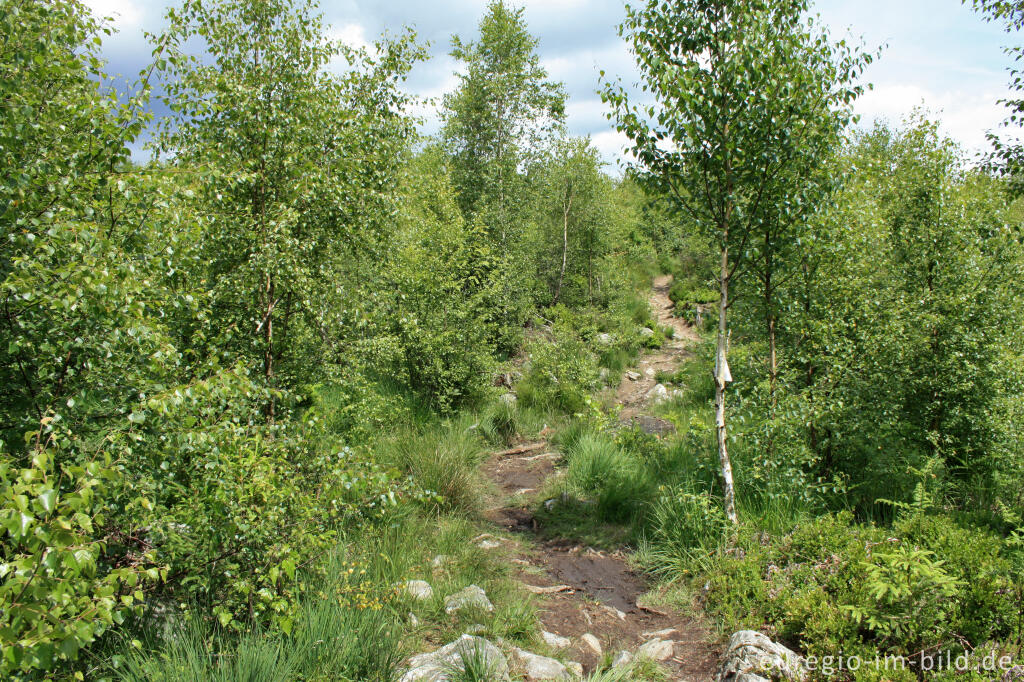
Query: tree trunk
{"type": "Point", "coordinates": [565, 246]}
{"type": "Point", "coordinates": [268, 351]}
{"type": "Point", "coordinates": [722, 377]}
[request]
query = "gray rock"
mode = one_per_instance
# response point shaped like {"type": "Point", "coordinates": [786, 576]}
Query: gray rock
{"type": "Point", "coordinates": [540, 667]}
{"type": "Point", "coordinates": [646, 332]}
{"type": "Point", "coordinates": [633, 376]}
{"type": "Point", "coordinates": [440, 561]}
{"type": "Point", "coordinates": [509, 399]}
{"type": "Point", "coordinates": [592, 643]}
{"type": "Point", "coordinates": [440, 665]}
{"type": "Point", "coordinates": [622, 659]}
{"type": "Point", "coordinates": [656, 650]}
{"type": "Point", "coordinates": [555, 641]}
{"type": "Point", "coordinates": [472, 597]}
{"type": "Point", "coordinates": [653, 425]}
{"type": "Point", "coordinates": [658, 394]}
{"type": "Point", "coordinates": [576, 667]}
{"type": "Point", "coordinates": [419, 590]}
{"type": "Point", "coordinates": [650, 373]}
{"type": "Point", "coordinates": [752, 657]}
{"type": "Point", "coordinates": [604, 339]}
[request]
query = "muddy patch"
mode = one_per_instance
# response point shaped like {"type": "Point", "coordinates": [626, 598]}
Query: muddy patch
{"type": "Point", "coordinates": [603, 578]}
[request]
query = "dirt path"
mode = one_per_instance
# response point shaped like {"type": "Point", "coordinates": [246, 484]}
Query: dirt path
{"type": "Point", "coordinates": [632, 393]}
{"type": "Point", "coordinates": [583, 590]}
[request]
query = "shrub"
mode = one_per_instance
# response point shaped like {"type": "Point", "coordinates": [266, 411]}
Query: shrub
{"type": "Point", "coordinates": [559, 375]}
{"type": "Point", "coordinates": [56, 595]}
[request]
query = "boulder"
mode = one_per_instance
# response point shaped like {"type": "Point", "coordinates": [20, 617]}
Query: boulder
{"type": "Point", "coordinates": [449, 660]}
{"type": "Point", "coordinates": [555, 641]}
{"type": "Point", "coordinates": [540, 667]}
{"type": "Point", "coordinates": [656, 650]}
{"type": "Point", "coordinates": [472, 597]}
{"type": "Point", "coordinates": [752, 657]}
{"type": "Point", "coordinates": [419, 590]}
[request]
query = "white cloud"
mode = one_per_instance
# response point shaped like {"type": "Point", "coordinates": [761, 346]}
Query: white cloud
{"type": "Point", "coordinates": [964, 116]}
{"type": "Point", "coordinates": [126, 15]}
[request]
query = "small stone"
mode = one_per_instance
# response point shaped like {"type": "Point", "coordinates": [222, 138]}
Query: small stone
{"type": "Point", "coordinates": [592, 643]}
{"type": "Point", "coordinates": [540, 667]}
{"type": "Point", "coordinates": [604, 338]}
{"type": "Point", "coordinates": [472, 597]}
{"type": "Point", "coordinates": [488, 544]}
{"type": "Point", "coordinates": [413, 620]}
{"type": "Point", "coordinates": [440, 561]}
{"type": "Point", "coordinates": [633, 376]}
{"type": "Point", "coordinates": [622, 659]}
{"type": "Point", "coordinates": [660, 634]}
{"type": "Point", "coordinates": [419, 590]}
{"type": "Point", "coordinates": [555, 641]}
{"type": "Point", "coordinates": [646, 332]}
{"type": "Point", "coordinates": [614, 611]}
{"type": "Point", "coordinates": [576, 667]}
{"type": "Point", "coordinates": [650, 373]}
{"type": "Point", "coordinates": [656, 650]}
{"type": "Point", "coordinates": [658, 394]}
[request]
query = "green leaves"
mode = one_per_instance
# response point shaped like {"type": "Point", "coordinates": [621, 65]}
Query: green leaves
{"type": "Point", "coordinates": [54, 601]}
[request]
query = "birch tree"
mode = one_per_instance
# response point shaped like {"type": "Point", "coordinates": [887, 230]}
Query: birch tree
{"type": "Point", "coordinates": [737, 89]}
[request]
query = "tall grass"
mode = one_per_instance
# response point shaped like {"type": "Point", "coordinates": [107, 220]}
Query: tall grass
{"type": "Point", "coordinates": [333, 637]}
{"type": "Point", "coordinates": [443, 459]}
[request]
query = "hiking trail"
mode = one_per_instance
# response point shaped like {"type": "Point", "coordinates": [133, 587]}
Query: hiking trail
{"type": "Point", "coordinates": [586, 591]}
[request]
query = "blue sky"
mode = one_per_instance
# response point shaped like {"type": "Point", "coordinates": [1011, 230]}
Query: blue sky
{"type": "Point", "coordinates": [939, 53]}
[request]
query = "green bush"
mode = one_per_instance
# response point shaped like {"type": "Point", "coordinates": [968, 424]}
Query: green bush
{"type": "Point", "coordinates": [685, 295]}
{"type": "Point", "coordinates": [56, 594]}
{"type": "Point", "coordinates": [834, 585]}
{"type": "Point", "coordinates": [559, 375]}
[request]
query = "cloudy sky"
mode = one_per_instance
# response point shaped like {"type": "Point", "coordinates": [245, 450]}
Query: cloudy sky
{"type": "Point", "coordinates": [939, 54]}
